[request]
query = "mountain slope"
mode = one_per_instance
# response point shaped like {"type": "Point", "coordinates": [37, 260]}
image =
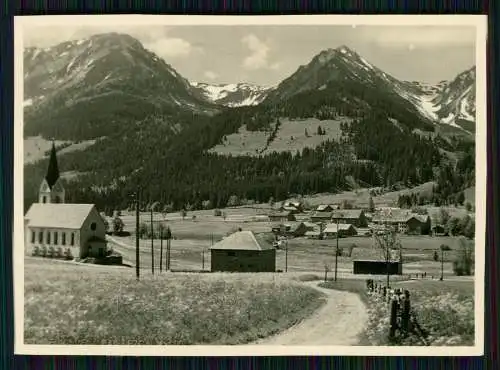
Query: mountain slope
{"type": "Point", "coordinates": [94, 87]}
{"type": "Point", "coordinates": [232, 95]}
{"type": "Point", "coordinates": [445, 103]}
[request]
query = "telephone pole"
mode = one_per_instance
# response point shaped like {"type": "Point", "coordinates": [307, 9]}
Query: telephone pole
{"type": "Point", "coordinates": [336, 251]}
{"type": "Point", "coordinates": [161, 248]}
{"type": "Point", "coordinates": [137, 234]}
{"type": "Point", "coordinates": [152, 244]}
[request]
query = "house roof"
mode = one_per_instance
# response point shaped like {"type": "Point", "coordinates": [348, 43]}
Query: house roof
{"type": "Point", "coordinates": [243, 240]}
{"type": "Point", "coordinates": [398, 215]}
{"type": "Point", "coordinates": [322, 214]}
{"type": "Point", "coordinates": [322, 207]}
{"type": "Point", "coordinates": [62, 215]}
{"type": "Point", "coordinates": [347, 213]}
{"type": "Point", "coordinates": [279, 214]}
{"type": "Point", "coordinates": [332, 228]}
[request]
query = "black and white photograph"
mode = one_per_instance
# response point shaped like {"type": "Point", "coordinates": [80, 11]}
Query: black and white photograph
{"type": "Point", "coordinates": [233, 185]}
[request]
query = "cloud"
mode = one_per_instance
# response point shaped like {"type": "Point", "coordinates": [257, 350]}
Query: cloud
{"type": "Point", "coordinates": [426, 36]}
{"type": "Point", "coordinates": [154, 38]}
{"type": "Point", "coordinates": [172, 47]}
{"type": "Point", "coordinates": [211, 75]}
{"type": "Point", "coordinates": [259, 53]}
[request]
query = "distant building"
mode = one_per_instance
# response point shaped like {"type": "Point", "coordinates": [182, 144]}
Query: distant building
{"type": "Point", "coordinates": [355, 217]}
{"type": "Point", "coordinates": [404, 221]}
{"type": "Point", "coordinates": [243, 251]}
{"type": "Point", "coordinates": [52, 224]}
{"type": "Point", "coordinates": [318, 217]}
{"type": "Point", "coordinates": [325, 208]}
{"type": "Point", "coordinates": [281, 216]}
{"type": "Point", "coordinates": [292, 206]}
{"type": "Point", "coordinates": [343, 230]}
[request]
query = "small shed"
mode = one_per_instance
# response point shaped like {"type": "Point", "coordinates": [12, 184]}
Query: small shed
{"type": "Point", "coordinates": [243, 251]}
{"type": "Point", "coordinates": [325, 208]}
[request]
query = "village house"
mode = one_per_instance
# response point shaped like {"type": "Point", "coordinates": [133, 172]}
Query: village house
{"type": "Point", "coordinates": [243, 251]}
{"type": "Point", "coordinates": [75, 229]}
{"type": "Point", "coordinates": [404, 221]}
{"type": "Point", "coordinates": [281, 216]}
{"type": "Point", "coordinates": [292, 206]}
{"type": "Point", "coordinates": [318, 217]}
{"type": "Point", "coordinates": [343, 230]}
{"type": "Point", "coordinates": [325, 208]}
{"type": "Point", "coordinates": [355, 217]}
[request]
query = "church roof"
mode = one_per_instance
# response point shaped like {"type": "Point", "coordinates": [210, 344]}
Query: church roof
{"type": "Point", "coordinates": [53, 169]}
{"type": "Point", "coordinates": [58, 216]}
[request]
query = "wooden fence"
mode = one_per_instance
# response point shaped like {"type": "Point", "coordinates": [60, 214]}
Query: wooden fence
{"type": "Point", "coordinates": [403, 320]}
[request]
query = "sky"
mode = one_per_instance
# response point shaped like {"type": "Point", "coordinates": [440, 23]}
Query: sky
{"type": "Point", "coordinates": [267, 54]}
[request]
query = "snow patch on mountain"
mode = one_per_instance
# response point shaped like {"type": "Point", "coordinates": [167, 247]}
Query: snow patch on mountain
{"type": "Point", "coordinates": [232, 95]}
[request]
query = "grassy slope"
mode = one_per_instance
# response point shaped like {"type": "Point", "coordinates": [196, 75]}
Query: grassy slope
{"type": "Point", "coordinates": [444, 308]}
{"type": "Point", "coordinates": [74, 304]}
{"type": "Point", "coordinates": [290, 137]}
{"type": "Point", "coordinates": [36, 146]}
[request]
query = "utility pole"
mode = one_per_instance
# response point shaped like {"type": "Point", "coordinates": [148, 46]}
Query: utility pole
{"type": "Point", "coordinates": [152, 244]}
{"type": "Point", "coordinates": [161, 248]}
{"type": "Point", "coordinates": [286, 254]}
{"type": "Point", "coordinates": [336, 251]}
{"type": "Point", "coordinates": [442, 264]}
{"type": "Point", "coordinates": [137, 234]}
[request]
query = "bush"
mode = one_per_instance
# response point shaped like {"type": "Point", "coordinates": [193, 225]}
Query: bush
{"type": "Point", "coordinates": [36, 251]}
{"type": "Point", "coordinates": [463, 264]}
{"type": "Point", "coordinates": [51, 252]}
{"type": "Point", "coordinates": [217, 213]}
{"type": "Point", "coordinates": [43, 251]}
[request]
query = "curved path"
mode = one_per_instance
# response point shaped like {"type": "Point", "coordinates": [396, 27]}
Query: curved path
{"type": "Point", "coordinates": [338, 322]}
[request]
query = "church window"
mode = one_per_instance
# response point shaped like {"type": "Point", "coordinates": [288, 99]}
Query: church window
{"type": "Point", "coordinates": [63, 238]}
{"type": "Point", "coordinates": [44, 199]}
{"type": "Point", "coordinates": [33, 237]}
{"type": "Point", "coordinates": [48, 237]}
{"type": "Point", "coordinates": [93, 226]}
{"type": "Point", "coordinates": [40, 237]}
{"type": "Point", "coordinates": [72, 238]}
{"type": "Point", "coordinates": [56, 237]}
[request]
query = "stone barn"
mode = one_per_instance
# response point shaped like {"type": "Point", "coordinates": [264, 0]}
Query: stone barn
{"type": "Point", "coordinates": [243, 251]}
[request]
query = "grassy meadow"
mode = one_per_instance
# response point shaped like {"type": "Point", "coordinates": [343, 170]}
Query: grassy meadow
{"type": "Point", "coordinates": [68, 303]}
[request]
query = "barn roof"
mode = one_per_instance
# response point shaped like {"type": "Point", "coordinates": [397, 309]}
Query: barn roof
{"type": "Point", "coordinates": [322, 207]}
{"type": "Point", "coordinates": [347, 213]}
{"type": "Point", "coordinates": [279, 214]}
{"type": "Point", "coordinates": [62, 215]}
{"type": "Point", "coordinates": [399, 216]}
{"type": "Point", "coordinates": [332, 228]}
{"type": "Point", "coordinates": [243, 240]}
{"type": "Point", "coordinates": [322, 214]}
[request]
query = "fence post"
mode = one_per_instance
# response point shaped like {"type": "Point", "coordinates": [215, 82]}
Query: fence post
{"type": "Point", "coordinates": [393, 319]}
{"type": "Point", "coordinates": [405, 315]}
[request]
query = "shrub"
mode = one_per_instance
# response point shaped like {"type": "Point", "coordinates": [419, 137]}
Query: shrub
{"type": "Point", "coordinates": [217, 213]}
{"type": "Point", "coordinates": [463, 264]}
{"type": "Point", "coordinates": [43, 251]}
{"type": "Point", "coordinates": [51, 252]}
{"type": "Point", "coordinates": [36, 251]}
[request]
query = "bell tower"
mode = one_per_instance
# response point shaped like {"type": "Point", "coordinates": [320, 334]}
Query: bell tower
{"type": "Point", "coordinates": [51, 188]}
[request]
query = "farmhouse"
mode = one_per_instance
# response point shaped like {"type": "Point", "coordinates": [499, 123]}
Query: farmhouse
{"type": "Point", "coordinates": [325, 208]}
{"type": "Point", "coordinates": [404, 221]}
{"type": "Point", "coordinates": [75, 229]}
{"type": "Point", "coordinates": [243, 251]}
{"type": "Point", "coordinates": [292, 206]}
{"type": "Point", "coordinates": [281, 216]}
{"type": "Point", "coordinates": [343, 230]}
{"type": "Point", "coordinates": [355, 217]}
{"type": "Point", "coordinates": [318, 217]}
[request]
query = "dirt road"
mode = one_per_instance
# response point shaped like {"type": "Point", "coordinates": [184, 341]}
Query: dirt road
{"type": "Point", "coordinates": [338, 322]}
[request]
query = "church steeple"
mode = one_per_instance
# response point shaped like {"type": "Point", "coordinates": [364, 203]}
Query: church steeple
{"type": "Point", "coordinates": [53, 170]}
{"type": "Point", "coordinates": [51, 188]}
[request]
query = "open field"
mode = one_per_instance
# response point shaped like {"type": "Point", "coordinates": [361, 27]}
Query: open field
{"type": "Point", "coordinates": [443, 308]}
{"type": "Point", "coordinates": [69, 303]}
{"type": "Point", "coordinates": [194, 238]}
{"type": "Point", "coordinates": [291, 136]}
{"type": "Point", "coordinates": [35, 147]}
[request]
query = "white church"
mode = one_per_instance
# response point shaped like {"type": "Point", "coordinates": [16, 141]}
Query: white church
{"type": "Point", "coordinates": [52, 223]}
